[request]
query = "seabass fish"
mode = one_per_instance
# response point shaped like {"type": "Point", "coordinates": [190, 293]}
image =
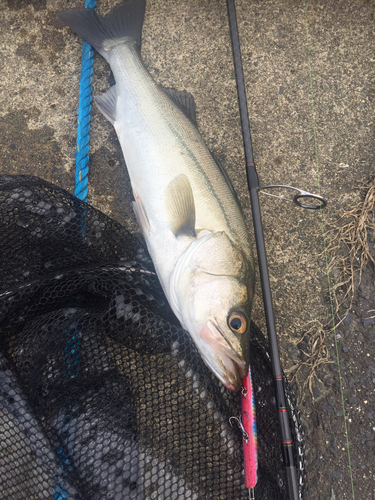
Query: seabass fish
{"type": "Point", "coordinates": [184, 202]}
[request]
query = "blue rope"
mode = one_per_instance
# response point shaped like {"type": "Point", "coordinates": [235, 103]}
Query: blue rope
{"type": "Point", "coordinates": [84, 117]}
{"type": "Point", "coordinates": [71, 350]}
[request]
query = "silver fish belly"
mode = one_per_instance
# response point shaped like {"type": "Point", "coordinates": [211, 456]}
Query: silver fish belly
{"type": "Point", "coordinates": [160, 144]}
{"type": "Point", "coordinates": [184, 203]}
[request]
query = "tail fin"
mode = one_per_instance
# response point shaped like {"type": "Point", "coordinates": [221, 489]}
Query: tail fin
{"type": "Point", "coordinates": [125, 20]}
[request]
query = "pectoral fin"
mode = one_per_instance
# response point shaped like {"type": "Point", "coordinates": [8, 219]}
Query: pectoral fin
{"type": "Point", "coordinates": [179, 201]}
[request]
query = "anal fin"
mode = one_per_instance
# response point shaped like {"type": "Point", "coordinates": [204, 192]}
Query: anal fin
{"type": "Point", "coordinates": [140, 214]}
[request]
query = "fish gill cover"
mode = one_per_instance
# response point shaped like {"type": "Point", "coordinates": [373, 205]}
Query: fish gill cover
{"type": "Point", "coordinates": [103, 395]}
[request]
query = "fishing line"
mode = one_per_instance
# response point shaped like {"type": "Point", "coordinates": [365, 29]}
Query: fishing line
{"type": "Point", "coordinates": [325, 246]}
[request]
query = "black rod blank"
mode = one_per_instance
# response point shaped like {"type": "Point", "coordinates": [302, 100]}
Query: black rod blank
{"type": "Point", "coordinates": [253, 183]}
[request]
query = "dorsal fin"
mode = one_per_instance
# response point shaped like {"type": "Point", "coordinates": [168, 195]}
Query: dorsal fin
{"type": "Point", "coordinates": [107, 103]}
{"type": "Point", "coordinates": [228, 181]}
{"type": "Point", "coordinates": [184, 100]}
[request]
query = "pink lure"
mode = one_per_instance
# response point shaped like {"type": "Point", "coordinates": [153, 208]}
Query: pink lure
{"type": "Point", "coordinates": [250, 438]}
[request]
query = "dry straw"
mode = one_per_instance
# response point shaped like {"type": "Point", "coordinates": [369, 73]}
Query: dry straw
{"type": "Point", "coordinates": [348, 252]}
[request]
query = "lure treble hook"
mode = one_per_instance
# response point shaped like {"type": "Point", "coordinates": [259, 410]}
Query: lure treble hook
{"type": "Point", "coordinates": [239, 422]}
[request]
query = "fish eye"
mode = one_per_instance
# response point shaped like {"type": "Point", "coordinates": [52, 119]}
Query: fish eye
{"type": "Point", "coordinates": [237, 322]}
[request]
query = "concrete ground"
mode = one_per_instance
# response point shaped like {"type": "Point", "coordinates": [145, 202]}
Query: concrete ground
{"type": "Point", "coordinates": [309, 65]}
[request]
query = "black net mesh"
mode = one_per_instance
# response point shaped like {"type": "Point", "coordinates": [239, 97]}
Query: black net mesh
{"type": "Point", "coordinates": [103, 395]}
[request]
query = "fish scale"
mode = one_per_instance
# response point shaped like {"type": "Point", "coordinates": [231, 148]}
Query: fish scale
{"type": "Point", "coordinates": [184, 203]}
{"type": "Point", "coordinates": [155, 135]}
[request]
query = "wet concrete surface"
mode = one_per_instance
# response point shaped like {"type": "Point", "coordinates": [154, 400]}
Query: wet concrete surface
{"type": "Point", "coordinates": [309, 71]}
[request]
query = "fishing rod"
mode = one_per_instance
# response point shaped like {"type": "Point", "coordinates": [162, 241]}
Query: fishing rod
{"type": "Point", "coordinates": [254, 188]}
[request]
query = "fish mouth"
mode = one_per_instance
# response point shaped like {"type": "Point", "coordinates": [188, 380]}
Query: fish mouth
{"type": "Point", "coordinates": [230, 368]}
